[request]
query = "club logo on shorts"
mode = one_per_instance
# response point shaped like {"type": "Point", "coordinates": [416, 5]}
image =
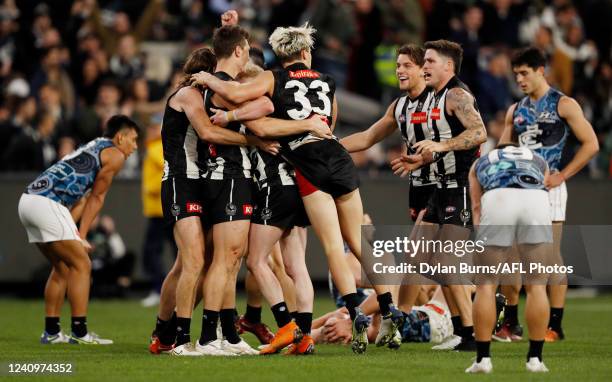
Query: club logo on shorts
{"type": "Point", "coordinates": [194, 208]}
{"type": "Point", "coordinates": [230, 209]}
{"type": "Point", "coordinates": [247, 209]}
{"type": "Point", "coordinates": [175, 209]}
{"type": "Point", "coordinates": [266, 214]}
{"type": "Point", "coordinates": [465, 215]}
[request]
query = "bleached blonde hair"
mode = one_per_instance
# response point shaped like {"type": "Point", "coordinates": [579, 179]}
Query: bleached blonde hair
{"type": "Point", "coordinates": [288, 42]}
{"type": "Point", "coordinates": [250, 71]}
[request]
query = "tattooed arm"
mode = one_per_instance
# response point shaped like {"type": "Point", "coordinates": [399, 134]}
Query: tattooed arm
{"type": "Point", "coordinates": [459, 103]}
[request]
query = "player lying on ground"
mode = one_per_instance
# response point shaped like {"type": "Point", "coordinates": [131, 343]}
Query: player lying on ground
{"type": "Point", "coordinates": [44, 212]}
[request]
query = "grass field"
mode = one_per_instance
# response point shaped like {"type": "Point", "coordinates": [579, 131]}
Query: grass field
{"type": "Point", "coordinates": [585, 355]}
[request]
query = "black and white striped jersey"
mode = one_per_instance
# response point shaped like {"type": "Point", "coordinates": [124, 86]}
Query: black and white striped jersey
{"type": "Point", "coordinates": [270, 170]}
{"type": "Point", "coordinates": [453, 167]}
{"type": "Point", "coordinates": [300, 92]}
{"type": "Point", "coordinates": [226, 161]}
{"type": "Point", "coordinates": [184, 152]}
{"type": "Point", "coordinates": [411, 118]}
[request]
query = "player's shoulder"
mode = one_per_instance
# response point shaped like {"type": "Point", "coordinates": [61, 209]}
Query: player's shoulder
{"type": "Point", "coordinates": [112, 157]}
{"type": "Point", "coordinates": [187, 93]}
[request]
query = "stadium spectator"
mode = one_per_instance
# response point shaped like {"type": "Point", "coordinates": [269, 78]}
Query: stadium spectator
{"type": "Point", "coordinates": [90, 120]}
{"type": "Point", "coordinates": [32, 149]}
{"type": "Point", "coordinates": [494, 86]}
{"type": "Point", "coordinates": [52, 72]}
{"type": "Point", "coordinates": [22, 111]}
{"type": "Point", "coordinates": [469, 36]}
{"type": "Point", "coordinates": [126, 63]}
{"type": "Point", "coordinates": [560, 71]}
{"type": "Point", "coordinates": [501, 22]}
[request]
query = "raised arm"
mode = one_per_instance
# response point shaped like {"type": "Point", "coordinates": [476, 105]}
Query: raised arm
{"type": "Point", "coordinates": [112, 161]}
{"type": "Point", "coordinates": [235, 92]}
{"type": "Point", "coordinates": [508, 126]}
{"type": "Point", "coordinates": [381, 129]}
{"type": "Point", "coordinates": [571, 111]}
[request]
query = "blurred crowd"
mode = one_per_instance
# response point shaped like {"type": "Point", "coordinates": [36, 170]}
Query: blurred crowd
{"type": "Point", "coordinates": [67, 66]}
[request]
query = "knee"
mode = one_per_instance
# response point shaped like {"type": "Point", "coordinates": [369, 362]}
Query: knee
{"type": "Point", "coordinates": [254, 264]}
{"type": "Point", "coordinates": [82, 264]}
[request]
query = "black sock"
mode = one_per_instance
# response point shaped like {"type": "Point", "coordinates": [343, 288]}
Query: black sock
{"type": "Point", "coordinates": [281, 314]}
{"type": "Point", "coordinates": [482, 350]}
{"type": "Point", "coordinates": [79, 326]}
{"type": "Point", "coordinates": [160, 325]}
{"type": "Point", "coordinates": [385, 301]}
{"type": "Point", "coordinates": [209, 326]}
{"type": "Point", "coordinates": [52, 325]}
{"type": "Point", "coordinates": [227, 326]}
{"type": "Point", "coordinates": [467, 332]}
{"type": "Point", "coordinates": [183, 328]}
{"type": "Point", "coordinates": [294, 315]}
{"type": "Point", "coordinates": [253, 314]}
{"type": "Point", "coordinates": [535, 349]}
{"type": "Point", "coordinates": [304, 321]}
{"type": "Point", "coordinates": [511, 314]}
{"type": "Point", "coordinates": [456, 325]}
{"type": "Point", "coordinates": [167, 333]}
{"type": "Point", "coordinates": [352, 302]}
{"type": "Point", "coordinates": [556, 316]}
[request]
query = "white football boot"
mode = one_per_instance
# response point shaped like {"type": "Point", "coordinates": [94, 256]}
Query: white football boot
{"type": "Point", "coordinates": [536, 366]}
{"type": "Point", "coordinates": [484, 366]}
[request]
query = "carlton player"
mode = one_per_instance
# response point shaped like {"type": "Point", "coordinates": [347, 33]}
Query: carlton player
{"type": "Point", "coordinates": [542, 121]}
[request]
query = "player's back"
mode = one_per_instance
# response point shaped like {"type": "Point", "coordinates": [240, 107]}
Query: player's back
{"type": "Point", "coordinates": [539, 127]}
{"type": "Point", "coordinates": [73, 176]}
{"type": "Point", "coordinates": [511, 167]}
{"type": "Point", "coordinates": [300, 92]}
{"type": "Point", "coordinates": [184, 155]}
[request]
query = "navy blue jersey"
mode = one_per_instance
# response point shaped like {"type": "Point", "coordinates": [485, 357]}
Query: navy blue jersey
{"type": "Point", "coordinates": [540, 128]}
{"type": "Point", "coordinates": [73, 176]}
{"type": "Point", "coordinates": [511, 167]}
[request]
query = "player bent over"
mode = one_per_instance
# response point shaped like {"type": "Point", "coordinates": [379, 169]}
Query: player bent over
{"type": "Point", "coordinates": [44, 212]}
{"type": "Point", "coordinates": [512, 177]}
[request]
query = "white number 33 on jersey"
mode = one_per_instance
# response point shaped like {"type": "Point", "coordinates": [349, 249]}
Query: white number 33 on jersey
{"type": "Point", "coordinates": [322, 88]}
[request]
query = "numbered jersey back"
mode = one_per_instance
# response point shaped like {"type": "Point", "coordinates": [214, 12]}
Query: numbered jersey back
{"type": "Point", "coordinates": [300, 92]}
{"type": "Point", "coordinates": [511, 167]}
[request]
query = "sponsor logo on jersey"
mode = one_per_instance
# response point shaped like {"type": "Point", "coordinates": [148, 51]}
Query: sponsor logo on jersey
{"type": "Point", "coordinates": [435, 114]}
{"type": "Point", "coordinates": [418, 117]}
{"type": "Point", "coordinates": [193, 207]}
{"type": "Point", "coordinates": [303, 74]}
{"type": "Point", "coordinates": [247, 209]}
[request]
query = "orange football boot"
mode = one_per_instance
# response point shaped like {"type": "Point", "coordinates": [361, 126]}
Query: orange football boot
{"type": "Point", "coordinates": [287, 335]}
{"type": "Point", "coordinates": [304, 347]}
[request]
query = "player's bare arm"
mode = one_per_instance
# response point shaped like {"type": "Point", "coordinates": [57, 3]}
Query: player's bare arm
{"type": "Point", "coordinates": [190, 101]}
{"type": "Point", "coordinates": [235, 92]}
{"type": "Point", "coordinates": [112, 161]}
{"type": "Point", "coordinates": [77, 210]}
{"type": "Point", "coordinates": [273, 127]}
{"type": "Point", "coordinates": [334, 114]}
{"type": "Point", "coordinates": [571, 111]}
{"type": "Point", "coordinates": [508, 126]}
{"type": "Point", "coordinates": [381, 129]}
{"type": "Point", "coordinates": [475, 194]}
{"type": "Point", "coordinates": [250, 110]}
{"type": "Point", "coordinates": [461, 104]}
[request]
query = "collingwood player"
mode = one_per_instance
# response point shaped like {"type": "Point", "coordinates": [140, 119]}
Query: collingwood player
{"type": "Point", "coordinates": [512, 177]}
{"type": "Point", "coordinates": [457, 131]}
{"type": "Point", "coordinates": [408, 114]}
{"type": "Point", "coordinates": [542, 121]}
{"type": "Point", "coordinates": [79, 181]}
{"type": "Point", "coordinates": [326, 175]}
{"type": "Point", "coordinates": [185, 128]}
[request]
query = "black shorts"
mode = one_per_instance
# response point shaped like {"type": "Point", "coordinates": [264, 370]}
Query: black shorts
{"type": "Point", "coordinates": [226, 200]}
{"type": "Point", "coordinates": [181, 198]}
{"type": "Point", "coordinates": [418, 197]}
{"type": "Point", "coordinates": [323, 165]}
{"type": "Point", "coordinates": [450, 206]}
{"type": "Point", "coordinates": [279, 206]}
